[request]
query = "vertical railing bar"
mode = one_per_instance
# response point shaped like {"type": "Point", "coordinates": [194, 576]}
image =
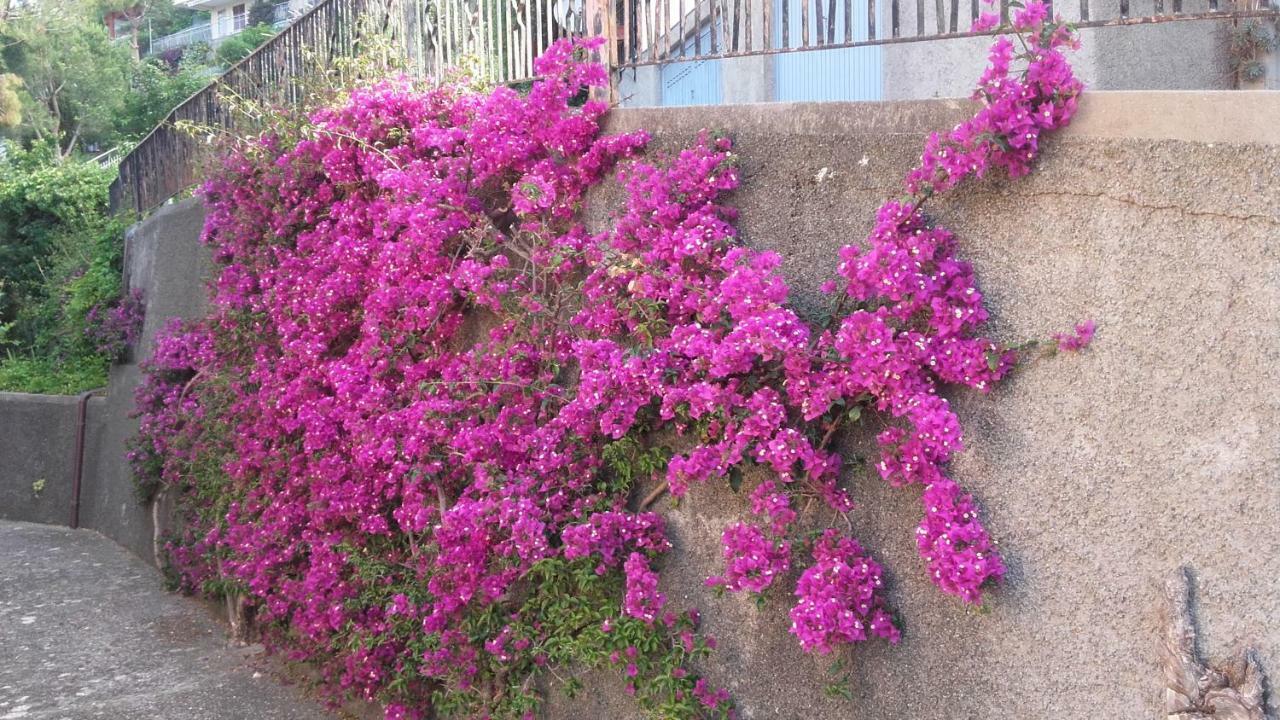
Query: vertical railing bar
{"type": "Point", "coordinates": [643, 33]}
{"type": "Point", "coordinates": [893, 19]}
{"type": "Point", "coordinates": [680, 39]}
{"type": "Point", "coordinates": [955, 15]}
{"type": "Point", "coordinates": [449, 57]}
{"type": "Point", "coordinates": [728, 41]}
{"type": "Point", "coordinates": [697, 28]}
{"type": "Point", "coordinates": [508, 41]}
{"type": "Point", "coordinates": [871, 21]}
{"type": "Point", "coordinates": [919, 18]}
{"type": "Point", "coordinates": [766, 23]}
{"type": "Point", "coordinates": [786, 29]}
{"type": "Point", "coordinates": [746, 25]}
{"type": "Point", "coordinates": [940, 11]}
{"type": "Point", "coordinates": [831, 22]}
{"type": "Point", "coordinates": [715, 23]}
{"type": "Point", "coordinates": [485, 15]}
{"type": "Point", "coordinates": [538, 39]}
{"type": "Point", "coordinates": [736, 32]}
{"type": "Point", "coordinates": [664, 26]}
{"type": "Point", "coordinates": [659, 31]}
{"type": "Point", "coordinates": [482, 39]}
{"type": "Point", "coordinates": [609, 31]}
{"type": "Point", "coordinates": [804, 23]}
{"type": "Point", "coordinates": [626, 32]}
{"type": "Point", "coordinates": [497, 45]}
{"type": "Point", "coordinates": [530, 41]}
{"type": "Point", "coordinates": [819, 21]}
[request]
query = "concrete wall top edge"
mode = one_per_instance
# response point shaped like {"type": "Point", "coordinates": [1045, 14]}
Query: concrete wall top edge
{"type": "Point", "coordinates": [1190, 116]}
{"type": "Point", "coordinates": [15, 397]}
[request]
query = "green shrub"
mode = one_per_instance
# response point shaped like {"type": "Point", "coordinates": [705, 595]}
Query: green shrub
{"type": "Point", "coordinates": [235, 48]}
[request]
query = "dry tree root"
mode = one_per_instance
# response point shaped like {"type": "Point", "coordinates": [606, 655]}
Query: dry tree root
{"type": "Point", "coordinates": [1194, 690]}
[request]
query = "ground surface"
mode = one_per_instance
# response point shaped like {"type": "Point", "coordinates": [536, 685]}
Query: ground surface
{"type": "Point", "coordinates": [87, 631]}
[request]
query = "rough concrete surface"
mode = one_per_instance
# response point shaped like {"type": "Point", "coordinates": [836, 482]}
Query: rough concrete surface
{"type": "Point", "coordinates": [1099, 473]}
{"type": "Point", "coordinates": [86, 631]}
{"type": "Point", "coordinates": [37, 458]}
{"type": "Point", "coordinates": [165, 259]}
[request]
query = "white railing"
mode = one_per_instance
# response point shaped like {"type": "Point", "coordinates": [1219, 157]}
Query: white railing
{"type": "Point", "coordinates": [286, 12]}
{"type": "Point", "coordinates": [282, 14]}
{"type": "Point", "coordinates": [110, 158]}
{"type": "Point", "coordinates": [182, 38]}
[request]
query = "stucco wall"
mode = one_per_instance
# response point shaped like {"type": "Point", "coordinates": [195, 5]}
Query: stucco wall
{"type": "Point", "coordinates": [1099, 473]}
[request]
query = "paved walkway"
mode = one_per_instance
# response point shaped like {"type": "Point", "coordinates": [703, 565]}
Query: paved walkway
{"type": "Point", "coordinates": [88, 631]}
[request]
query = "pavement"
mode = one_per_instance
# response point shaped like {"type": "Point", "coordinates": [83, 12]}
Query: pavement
{"type": "Point", "coordinates": [87, 630]}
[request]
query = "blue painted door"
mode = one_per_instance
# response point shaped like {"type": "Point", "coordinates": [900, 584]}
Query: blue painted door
{"type": "Point", "coordinates": [835, 74]}
{"type": "Point", "coordinates": [694, 82]}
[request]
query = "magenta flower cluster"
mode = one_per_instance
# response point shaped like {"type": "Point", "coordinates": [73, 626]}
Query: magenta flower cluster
{"type": "Point", "coordinates": [840, 597]}
{"type": "Point", "coordinates": [168, 412]}
{"type": "Point", "coordinates": [114, 327]}
{"type": "Point", "coordinates": [419, 353]}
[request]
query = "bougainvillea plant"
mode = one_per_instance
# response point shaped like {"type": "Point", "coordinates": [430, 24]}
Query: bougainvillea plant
{"type": "Point", "coordinates": [413, 431]}
{"type": "Point", "coordinates": [114, 327]}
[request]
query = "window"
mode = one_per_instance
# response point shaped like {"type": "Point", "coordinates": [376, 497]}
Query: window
{"type": "Point", "coordinates": [240, 15]}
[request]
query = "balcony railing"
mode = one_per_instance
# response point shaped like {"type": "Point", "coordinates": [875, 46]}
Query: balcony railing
{"type": "Point", "coordinates": [182, 38]}
{"type": "Point", "coordinates": [281, 15]}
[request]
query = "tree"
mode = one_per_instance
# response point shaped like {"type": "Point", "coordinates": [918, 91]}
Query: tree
{"type": "Point", "coordinates": [74, 78]}
{"type": "Point", "coordinates": [155, 90]}
{"type": "Point", "coordinates": [157, 17]}
{"type": "Point", "coordinates": [235, 48]}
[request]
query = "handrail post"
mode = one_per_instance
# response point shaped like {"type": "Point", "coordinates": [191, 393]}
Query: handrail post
{"type": "Point", "coordinates": [599, 22]}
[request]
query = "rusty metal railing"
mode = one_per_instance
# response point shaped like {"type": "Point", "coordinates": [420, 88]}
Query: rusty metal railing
{"type": "Point", "coordinates": [498, 39]}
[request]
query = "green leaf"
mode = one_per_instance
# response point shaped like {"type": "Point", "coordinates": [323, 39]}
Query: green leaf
{"type": "Point", "coordinates": [993, 360]}
{"type": "Point", "coordinates": [855, 413]}
{"type": "Point", "coordinates": [735, 478]}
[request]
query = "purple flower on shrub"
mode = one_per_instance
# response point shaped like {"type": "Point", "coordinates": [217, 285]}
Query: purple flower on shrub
{"type": "Point", "coordinates": [1079, 339]}
{"type": "Point", "coordinates": [114, 327]}
{"type": "Point", "coordinates": [840, 597]}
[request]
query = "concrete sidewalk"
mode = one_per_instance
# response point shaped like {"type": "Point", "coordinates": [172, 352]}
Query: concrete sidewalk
{"type": "Point", "coordinates": [88, 631]}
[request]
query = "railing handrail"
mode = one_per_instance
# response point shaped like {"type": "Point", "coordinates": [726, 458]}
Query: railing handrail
{"type": "Point", "coordinates": [433, 34]}
{"type": "Point", "coordinates": [430, 34]}
{"type": "Point", "coordinates": [216, 81]}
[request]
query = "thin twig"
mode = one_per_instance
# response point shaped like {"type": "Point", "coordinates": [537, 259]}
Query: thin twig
{"type": "Point", "coordinates": [654, 495]}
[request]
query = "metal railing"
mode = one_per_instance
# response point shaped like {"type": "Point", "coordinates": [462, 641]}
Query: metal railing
{"type": "Point", "coordinates": [183, 38]}
{"type": "Point", "coordinates": [281, 15]}
{"type": "Point", "coordinates": [501, 38]}
{"type": "Point", "coordinates": [662, 31]}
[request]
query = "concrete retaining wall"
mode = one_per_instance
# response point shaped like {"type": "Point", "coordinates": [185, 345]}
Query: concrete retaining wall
{"type": "Point", "coordinates": [163, 258]}
{"type": "Point", "coordinates": [37, 458]}
{"type": "Point", "coordinates": [1156, 214]}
